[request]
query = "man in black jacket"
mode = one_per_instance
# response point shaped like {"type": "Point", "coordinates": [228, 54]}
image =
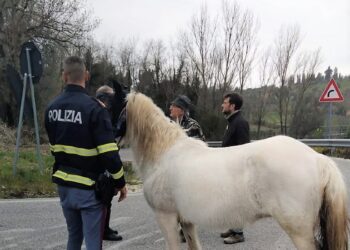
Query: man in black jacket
{"type": "Point", "coordinates": [236, 133]}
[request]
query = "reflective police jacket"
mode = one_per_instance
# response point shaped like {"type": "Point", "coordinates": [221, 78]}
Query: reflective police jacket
{"type": "Point", "coordinates": [81, 139]}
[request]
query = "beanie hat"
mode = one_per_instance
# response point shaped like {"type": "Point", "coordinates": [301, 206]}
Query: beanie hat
{"type": "Point", "coordinates": [182, 102]}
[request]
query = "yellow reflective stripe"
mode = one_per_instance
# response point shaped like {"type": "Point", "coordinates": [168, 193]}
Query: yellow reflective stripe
{"type": "Point", "coordinates": [107, 147]}
{"type": "Point", "coordinates": [73, 178]}
{"type": "Point", "coordinates": [84, 151]}
{"type": "Point", "coordinates": [119, 174]}
{"type": "Point", "coordinates": [73, 150]}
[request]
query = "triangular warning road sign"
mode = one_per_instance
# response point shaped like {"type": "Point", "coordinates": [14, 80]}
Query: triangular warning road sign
{"type": "Point", "coordinates": [331, 93]}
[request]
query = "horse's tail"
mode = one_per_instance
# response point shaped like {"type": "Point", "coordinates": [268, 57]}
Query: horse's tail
{"type": "Point", "coordinates": [333, 214]}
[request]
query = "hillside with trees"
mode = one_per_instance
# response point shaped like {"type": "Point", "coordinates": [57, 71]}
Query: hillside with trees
{"type": "Point", "coordinates": [210, 57]}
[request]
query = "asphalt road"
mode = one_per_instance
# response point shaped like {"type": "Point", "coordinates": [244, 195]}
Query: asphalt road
{"type": "Point", "coordinates": [39, 224]}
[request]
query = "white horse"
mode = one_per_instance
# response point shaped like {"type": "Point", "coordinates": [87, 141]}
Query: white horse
{"type": "Point", "coordinates": [231, 187]}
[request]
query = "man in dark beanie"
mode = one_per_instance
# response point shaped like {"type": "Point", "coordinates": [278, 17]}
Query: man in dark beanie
{"type": "Point", "coordinates": [179, 112]}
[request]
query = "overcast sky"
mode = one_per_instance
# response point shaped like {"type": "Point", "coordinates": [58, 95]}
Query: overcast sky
{"type": "Point", "coordinates": [323, 23]}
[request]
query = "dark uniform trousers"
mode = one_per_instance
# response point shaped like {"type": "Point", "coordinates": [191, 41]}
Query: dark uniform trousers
{"type": "Point", "coordinates": [84, 216]}
{"type": "Point", "coordinates": [82, 142]}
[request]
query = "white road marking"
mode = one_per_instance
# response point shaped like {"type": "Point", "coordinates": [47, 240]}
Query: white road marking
{"type": "Point", "coordinates": [29, 200]}
{"type": "Point", "coordinates": [19, 230]}
{"type": "Point", "coordinates": [55, 245]}
{"type": "Point", "coordinates": [134, 229]}
{"type": "Point", "coordinates": [159, 240]}
{"type": "Point", "coordinates": [53, 227]}
{"type": "Point", "coordinates": [132, 240]}
{"type": "Point", "coordinates": [11, 246]}
{"type": "Point", "coordinates": [119, 220]}
{"type": "Point", "coordinates": [8, 238]}
{"type": "Point", "coordinates": [36, 237]}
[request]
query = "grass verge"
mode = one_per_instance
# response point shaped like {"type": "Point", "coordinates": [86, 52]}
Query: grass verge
{"type": "Point", "coordinates": [29, 181]}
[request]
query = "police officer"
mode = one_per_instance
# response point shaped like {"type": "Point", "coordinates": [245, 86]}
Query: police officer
{"type": "Point", "coordinates": [179, 112]}
{"type": "Point", "coordinates": [105, 94]}
{"type": "Point", "coordinates": [81, 140]}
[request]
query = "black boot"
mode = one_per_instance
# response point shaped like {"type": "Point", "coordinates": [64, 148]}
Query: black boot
{"type": "Point", "coordinates": [110, 230]}
{"type": "Point", "coordinates": [112, 237]}
{"type": "Point", "coordinates": [109, 233]}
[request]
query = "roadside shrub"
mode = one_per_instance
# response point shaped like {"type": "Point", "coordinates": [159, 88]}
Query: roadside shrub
{"type": "Point", "coordinates": [7, 135]}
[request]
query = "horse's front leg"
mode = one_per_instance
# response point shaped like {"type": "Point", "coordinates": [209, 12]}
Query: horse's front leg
{"type": "Point", "coordinates": [191, 236]}
{"type": "Point", "coordinates": [168, 224]}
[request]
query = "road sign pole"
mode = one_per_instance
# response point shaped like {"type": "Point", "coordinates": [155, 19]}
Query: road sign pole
{"type": "Point", "coordinates": [31, 69]}
{"type": "Point", "coordinates": [331, 125]}
{"type": "Point", "coordinates": [34, 112]}
{"type": "Point", "coordinates": [330, 120]}
{"type": "Point", "coordinates": [20, 123]}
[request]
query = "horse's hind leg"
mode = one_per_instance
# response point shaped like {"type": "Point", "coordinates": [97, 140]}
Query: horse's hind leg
{"type": "Point", "coordinates": [302, 236]}
{"type": "Point", "coordinates": [303, 242]}
{"type": "Point", "coordinates": [168, 223]}
{"type": "Point", "coordinates": [191, 236]}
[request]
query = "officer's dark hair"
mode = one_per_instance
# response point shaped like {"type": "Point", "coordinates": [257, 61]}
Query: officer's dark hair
{"type": "Point", "coordinates": [235, 99]}
{"type": "Point", "coordinates": [74, 67]}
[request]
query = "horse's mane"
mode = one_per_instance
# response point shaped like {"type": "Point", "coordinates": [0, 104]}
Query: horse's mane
{"type": "Point", "coordinates": [149, 131]}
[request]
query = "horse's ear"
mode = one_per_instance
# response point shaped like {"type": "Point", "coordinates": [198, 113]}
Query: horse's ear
{"type": "Point", "coordinates": [120, 89]}
{"type": "Point", "coordinates": [119, 100]}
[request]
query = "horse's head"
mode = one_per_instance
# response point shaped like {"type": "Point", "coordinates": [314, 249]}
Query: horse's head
{"type": "Point", "coordinates": [149, 132]}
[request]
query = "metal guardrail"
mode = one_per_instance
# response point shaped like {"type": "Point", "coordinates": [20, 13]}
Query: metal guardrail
{"type": "Point", "coordinates": [328, 143]}
{"type": "Point", "coordinates": [214, 144]}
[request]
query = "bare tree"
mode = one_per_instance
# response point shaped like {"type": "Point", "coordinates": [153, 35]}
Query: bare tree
{"type": "Point", "coordinates": [267, 78]}
{"type": "Point", "coordinates": [307, 66]}
{"type": "Point", "coordinates": [286, 45]}
{"type": "Point", "coordinates": [100, 61]}
{"type": "Point", "coordinates": [200, 46]}
{"type": "Point", "coordinates": [238, 46]}
{"type": "Point", "coordinates": [127, 59]}
{"type": "Point", "coordinates": [175, 65]}
{"type": "Point", "coordinates": [246, 47]}
{"type": "Point", "coordinates": [157, 60]}
{"type": "Point", "coordinates": [154, 66]}
{"type": "Point", "coordinates": [175, 72]}
{"type": "Point", "coordinates": [230, 20]}
{"type": "Point", "coordinates": [61, 23]}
